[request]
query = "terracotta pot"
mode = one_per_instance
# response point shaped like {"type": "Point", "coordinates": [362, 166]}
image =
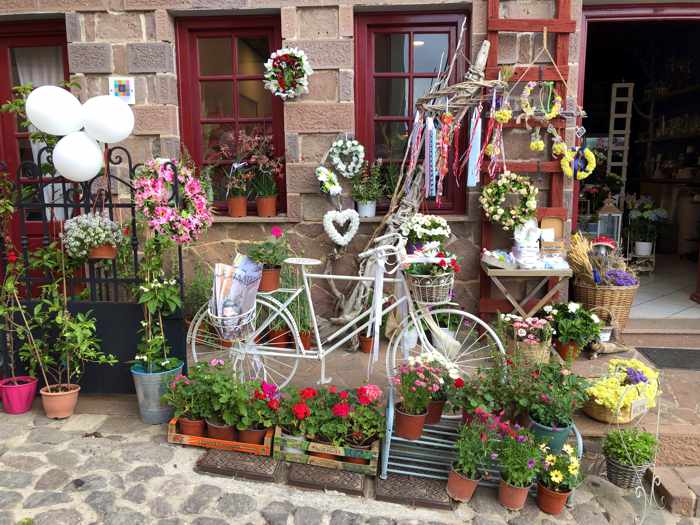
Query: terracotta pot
{"type": "Point", "coordinates": [237, 206]}
{"type": "Point", "coordinates": [551, 501]}
{"type": "Point", "coordinates": [17, 394]}
{"type": "Point", "coordinates": [408, 426]}
{"type": "Point", "coordinates": [512, 498]}
{"type": "Point", "coordinates": [221, 431]}
{"type": "Point", "coordinates": [568, 351]}
{"type": "Point", "coordinates": [251, 435]}
{"type": "Point", "coordinates": [270, 279]}
{"type": "Point", "coordinates": [459, 487]}
{"type": "Point", "coordinates": [103, 251]}
{"type": "Point", "coordinates": [435, 408]}
{"type": "Point", "coordinates": [191, 427]}
{"type": "Point", "coordinates": [366, 344]}
{"type": "Point", "coordinates": [59, 405]}
{"type": "Point", "coordinates": [305, 339]}
{"type": "Point", "coordinates": [226, 343]}
{"type": "Point", "coordinates": [279, 338]}
{"type": "Point", "coordinates": [267, 206]}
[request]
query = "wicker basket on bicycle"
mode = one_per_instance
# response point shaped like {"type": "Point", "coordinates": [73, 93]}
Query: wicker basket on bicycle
{"type": "Point", "coordinates": [233, 327]}
{"type": "Point", "coordinates": [431, 289]}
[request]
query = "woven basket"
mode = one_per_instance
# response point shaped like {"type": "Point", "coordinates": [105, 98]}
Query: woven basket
{"type": "Point", "coordinates": [625, 476]}
{"type": "Point", "coordinates": [529, 354]}
{"type": "Point", "coordinates": [431, 289]}
{"type": "Point", "coordinates": [605, 414]}
{"type": "Point", "coordinates": [617, 299]}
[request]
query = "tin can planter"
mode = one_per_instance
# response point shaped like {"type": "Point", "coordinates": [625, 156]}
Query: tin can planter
{"type": "Point", "coordinates": [435, 408]}
{"type": "Point", "coordinates": [17, 394]}
{"type": "Point", "coordinates": [191, 427]}
{"type": "Point", "coordinates": [252, 435]}
{"type": "Point", "coordinates": [270, 279]}
{"type": "Point", "coordinates": [555, 437]}
{"type": "Point", "coordinates": [220, 430]}
{"type": "Point", "coordinates": [512, 498]}
{"type": "Point", "coordinates": [102, 252]}
{"type": "Point", "coordinates": [459, 487]}
{"type": "Point", "coordinates": [366, 344]}
{"type": "Point", "coordinates": [366, 209]}
{"type": "Point", "coordinates": [237, 206]}
{"type": "Point", "coordinates": [266, 206]}
{"type": "Point", "coordinates": [551, 501]}
{"type": "Point", "coordinates": [60, 401]}
{"type": "Point", "coordinates": [150, 387]}
{"type": "Point", "coordinates": [408, 426]}
{"type": "Point", "coordinates": [568, 351]}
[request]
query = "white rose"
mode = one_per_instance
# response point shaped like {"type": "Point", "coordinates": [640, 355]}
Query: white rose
{"type": "Point", "coordinates": [573, 307]}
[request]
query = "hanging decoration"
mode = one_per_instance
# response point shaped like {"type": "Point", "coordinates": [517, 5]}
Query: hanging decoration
{"type": "Point", "coordinates": [287, 73]}
{"type": "Point", "coordinates": [334, 218]}
{"type": "Point", "coordinates": [430, 162]}
{"type": "Point", "coordinates": [504, 114]}
{"type": "Point", "coordinates": [536, 142]}
{"type": "Point", "coordinates": [443, 149]}
{"type": "Point", "coordinates": [414, 142]}
{"type": "Point", "coordinates": [584, 163]}
{"type": "Point", "coordinates": [328, 181]}
{"type": "Point", "coordinates": [493, 198]}
{"type": "Point", "coordinates": [347, 157]}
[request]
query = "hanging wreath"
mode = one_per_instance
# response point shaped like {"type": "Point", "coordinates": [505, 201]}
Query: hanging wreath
{"type": "Point", "coordinates": [536, 142]}
{"type": "Point", "coordinates": [525, 105]}
{"type": "Point", "coordinates": [493, 198]}
{"type": "Point", "coordinates": [153, 192]}
{"type": "Point", "coordinates": [347, 157]}
{"type": "Point", "coordinates": [583, 163]}
{"type": "Point", "coordinates": [550, 111]}
{"type": "Point", "coordinates": [503, 114]}
{"type": "Point", "coordinates": [328, 181]}
{"type": "Point", "coordinates": [287, 73]}
{"type": "Point", "coordinates": [335, 218]}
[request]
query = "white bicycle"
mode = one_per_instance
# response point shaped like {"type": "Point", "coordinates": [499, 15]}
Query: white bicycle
{"type": "Point", "coordinates": [271, 347]}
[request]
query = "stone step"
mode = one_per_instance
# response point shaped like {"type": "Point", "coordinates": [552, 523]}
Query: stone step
{"type": "Point", "coordinates": [662, 333]}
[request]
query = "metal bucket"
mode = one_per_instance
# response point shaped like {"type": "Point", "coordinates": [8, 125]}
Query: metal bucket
{"type": "Point", "coordinates": [149, 389]}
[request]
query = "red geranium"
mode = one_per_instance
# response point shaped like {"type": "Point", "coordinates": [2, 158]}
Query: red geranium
{"type": "Point", "coordinates": [301, 411]}
{"type": "Point", "coordinates": [274, 404]}
{"type": "Point", "coordinates": [332, 389]}
{"type": "Point", "coordinates": [343, 395]}
{"type": "Point", "coordinates": [341, 409]}
{"type": "Point", "coordinates": [308, 393]}
{"type": "Point", "coordinates": [459, 382]}
{"type": "Point", "coordinates": [442, 263]}
{"type": "Point", "coordinates": [11, 257]}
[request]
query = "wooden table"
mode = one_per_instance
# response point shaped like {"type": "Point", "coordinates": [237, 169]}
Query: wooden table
{"type": "Point", "coordinates": [562, 276]}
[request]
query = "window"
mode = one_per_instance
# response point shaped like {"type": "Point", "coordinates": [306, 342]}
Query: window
{"type": "Point", "coordinates": [221, 89]}
{"type": "Point", "coordinates": [398, 57]}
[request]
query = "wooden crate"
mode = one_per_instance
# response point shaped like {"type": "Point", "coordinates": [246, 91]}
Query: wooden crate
{"type": "Point", "coordinates": [311, 446]}
{"type": "Point", "coordinates": [207, 442]}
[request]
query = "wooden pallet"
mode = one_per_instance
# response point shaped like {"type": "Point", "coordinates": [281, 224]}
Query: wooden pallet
{"type": "Point", "coordinates": [372, 455]}
{"type": "Point", "coordinates": [206, 442]}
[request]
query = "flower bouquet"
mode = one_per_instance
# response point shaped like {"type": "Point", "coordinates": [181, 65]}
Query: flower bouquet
{"type": "Point", "coordinates": [91, 236]}
{"type": "Point", "coordinates": [529, 339]}
{"type": "Point", "coordinates": [560, 474]}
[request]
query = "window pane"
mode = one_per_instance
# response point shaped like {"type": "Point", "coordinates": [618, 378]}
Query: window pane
{"type": "Point", "coordinates": [390, 96]}
{"type": "Point", "coordinates": [390, 139]}
{"type": "Point", "coordinates": [253, 99]}
{"type": "Point", "coordinates": [216, 99]}
{"type": "Point", "coordinates": [428, 50]}
{"type": "Point", "coordinates": [391, 52]}
{"type": "Point", "coordinates": [215, 134]}
{"type": "Point", "coordinates": [215, 56]}
{"type": "Point", "coordinates": [420, 87]}
{"type": "Point", "coordinates": [252, 54]}
{"type": "Point", "coordinates": [41, 66]}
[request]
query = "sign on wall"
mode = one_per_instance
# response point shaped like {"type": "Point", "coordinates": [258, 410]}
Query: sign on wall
{"type": "Point", "coordinates": [123, 88]}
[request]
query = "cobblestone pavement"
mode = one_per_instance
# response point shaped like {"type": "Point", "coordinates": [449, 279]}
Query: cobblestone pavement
{"type": "Point", "coordinates": [117, 471]}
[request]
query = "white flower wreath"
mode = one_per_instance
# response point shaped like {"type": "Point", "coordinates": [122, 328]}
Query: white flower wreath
{"type": "Point", "coordinates": [347, 157]}
{"type": "Point", "coordinates": [333, 217]}
{"type": "Point", "coordinates": [328, 181]}
{"type": "Point", "coordinates": [287, 73]}
{"type": "Point", "coordinates": [494, 196]}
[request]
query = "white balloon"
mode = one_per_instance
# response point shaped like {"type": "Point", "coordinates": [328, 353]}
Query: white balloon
{"type": "Point", "coordinates": [54, 110]}
{"type": "Point", "coordinates": [77, 157]}
{"type": "Point", "coordinates": [108, 119]}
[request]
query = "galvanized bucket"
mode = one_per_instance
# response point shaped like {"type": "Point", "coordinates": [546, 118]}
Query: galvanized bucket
{"type": "Point", "coordinates": [149, 389]}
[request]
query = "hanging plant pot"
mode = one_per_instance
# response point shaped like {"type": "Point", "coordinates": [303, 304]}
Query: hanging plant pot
{"type": "Point", "coordinates": [435, 408]}
{"type": "Point", "coordinates": [270, 279]}
{"type": "Point", "coordinates": [102, 252]}
{"type": "Point", "coordinates": [252, 435]}
{"type": "Point", "coordinates": [568, 351]}
{"type": "Point", "coordinates": [59, 401]}
{"type": "Point", "coordinates": [17, 394]}
{"type": "Point", "coordinates": [512, 498]}
{"type": "Point", "coordinates": [237, 206]}
{"type": "Point", "coordinates": [408, 426]}
{"type": "Point", "coordinates": [459, 487]}
{"type": "Point", "coordinates": [150, 387]}
{"type": "Point", "coordinates": [305, 337]}
{"type": "Point", "coordinates": [367, 209]}
{"type": "Point", "coordinates": [220, 430]}
{"type": "Point", "coordinates": [266, 206]}
{"type": "Point", "coordinates": [551, 501]}
{"type": "Point", "coordinates": [279, 338]}
{"type": "Point", "coordinates": [366, 344]}
{"type": "Point", "coordinates": [191, 427]}
{"type": "Point", "coordinates": [555, 437]}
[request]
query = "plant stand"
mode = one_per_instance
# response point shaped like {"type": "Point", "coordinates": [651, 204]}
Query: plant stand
{"type": "Point", "coordinates": [641, 263]}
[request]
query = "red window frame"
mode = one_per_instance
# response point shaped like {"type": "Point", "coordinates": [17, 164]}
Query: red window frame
{"type": "Point", "coordinates": [366, 26]}
{"type": "Point", "coordinates": [188, 31]}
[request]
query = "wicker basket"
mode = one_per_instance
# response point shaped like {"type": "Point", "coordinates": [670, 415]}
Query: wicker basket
{"type": "Point", "coordinates": [607, 415]}
{"type": "Point", "coordinates": [625, 476]}
{"type": "Point", "coordinates": [617, 299]}
{"type": "Point", "coordinates": [529, 354]}
{"type": "Point", "coordinates": [234, 327]}
{"type": "Point", "coordinates": [431, 289]}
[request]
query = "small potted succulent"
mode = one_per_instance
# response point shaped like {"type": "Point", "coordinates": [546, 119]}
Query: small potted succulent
{"type": "Point", "coordinates": [575, 327]}
{"type": "Point", "coordinates": [628, 454]}
{"type": "Point", "coordinates": [519, 458]}
{"type": "Point", "coordinates": [559, 476]}
{"type": "Point", "coordinates": [473, 449]}
{"type": "Point", "coordinates": [259, 414]}
{"type": "Point", "coordinates": [271, 254]}
{"type": "Point", "coordinates": [91, 236]}
{"type": "Point", "coordinates": [366, 189]}
{"type": "Point", "coordinates": [416, 383]}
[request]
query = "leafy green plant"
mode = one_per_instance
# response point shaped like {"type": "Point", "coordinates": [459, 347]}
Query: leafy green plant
{"type": "Point", "coordinates": [264, 185]}
{"type": "Point", "coordinates": [555, 394]}
{"type": "Point", "coordinates": [473, 449]}
{"type": "Point", "coordinates": [519, 457]}
{"type": "Point", "coordinates": [186, 396]}
{"type": "Point", "coordinates": [366, 186]}
{"type": "Point", "coordinates": [631, 446]}
{"type": "Point", "coordinates": [272, 252]}
{"type": "Point", "coordinates": [390, 178]}
{"type": "Point", "coordinates": [197, 290]}
{"type": "Point", "coordinates": [573, 323]}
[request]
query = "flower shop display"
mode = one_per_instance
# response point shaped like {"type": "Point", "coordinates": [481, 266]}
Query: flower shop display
{"type": "Point", "coordinates": [518, 456]}
{"type": "Point", "coordinates": [334, 218]}
{"type": "Point", "coordinates": [366, 189]}
{"type": "Point", "coordinates": [644, 220]}
{"type": "Point", "coordinates": [91, 236]}
{"type": "Point", "coordinates": [627, 391]}
{"type": "Point", "coordinates": [287, 73]}
{"type": "Point", "coordinates": [415, 382]}
{"type": "Point", "coordinates": [271, 254]}
{"type": "Point", "coordinates": [347, 156]}
{"type": "Point", "coordinates": [420, 229]}
{"type": "Point", "coordinates": [575, 327]}
{"type": "Point", "coordinates": [559, 476]}
{"type": "Point", "coordinates": [474, 449]}
{"type": "Point", "coordinates": [628, 455]}
{"type": "Point", "coordinates": [530, 338]}
{"type": "Point", "coordinates": [432, 282]}
{"type": "Point", "coordinates": [494, 195]}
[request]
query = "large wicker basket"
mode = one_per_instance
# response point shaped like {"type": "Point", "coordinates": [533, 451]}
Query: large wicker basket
{"type": "Point", "coordinates": [606, 415]}
{"type": "Point", "coordinates": [625, 476]}
{"type": "Point", "coordinates": [616, 299]}
{"type": "Point", "coordinates": [531, 355]}
{"type": "Point", "coordinates": [431, 289]}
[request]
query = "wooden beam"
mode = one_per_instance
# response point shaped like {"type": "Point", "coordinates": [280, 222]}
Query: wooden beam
{"type": "Point", "coordinates": [534, 73]}
{"type": "Point", "coordinates": [531, 25]}
{"type": "Point", "coordinates": [551, 212]}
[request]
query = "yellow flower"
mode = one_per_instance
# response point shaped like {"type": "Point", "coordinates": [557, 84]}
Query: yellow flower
{"type": "Point", "coordinates": [551, 459]}
{"type": "Point", "coordinates": [568, 449]}
{"type": "Point", "coordinates": [544, 447]}
{"type": "Point", "coordinates": [573, 470]}
{"type": "Point", "coordinates": [503, 115]}
{"type": "Point", "coordinates": [556, 476]}
{"type": "Point", "coordinates": [574, 462]}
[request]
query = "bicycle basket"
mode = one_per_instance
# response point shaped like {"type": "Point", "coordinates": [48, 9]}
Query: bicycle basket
{"type": "Point", "coordinates": [234, 327]}
{"type": "Point", "coordinates": [431, 289]}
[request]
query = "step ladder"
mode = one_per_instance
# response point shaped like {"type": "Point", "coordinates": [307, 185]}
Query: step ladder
{"type": "Point", "coordinates": [621, 99]}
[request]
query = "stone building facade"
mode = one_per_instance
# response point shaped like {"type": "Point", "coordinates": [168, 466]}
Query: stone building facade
{"type": "Point", "coordinates": [139, 38]}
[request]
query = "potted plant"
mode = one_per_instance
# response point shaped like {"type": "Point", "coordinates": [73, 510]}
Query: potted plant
{"type": "Point", "coordinates": [302, 317]}
{"type": "Point", "coordinates": [416, 384]}
{"type": "Point", "coordinates": [419, 229]}
{"type": "Point", "coordinates": [238, 182]}
{"type": "Point", "coordinates": [432, 282]}
{"type": "Point", "coordinates": [445, 373]}
{"type": "Point", "coordinates": [184, 395]}
{"type": "Point", "coordinates": [259, 414]}
{"type": "Point", "coordinates": [367, 421]}
{"type": "Point", "coordinates": [575, 327]}
{"type": "Point", "coordinates": [556, 393]}
{"type": "Point", "coordinates": [91, 236]}
{"type": "Point", "coordinates": [473, 450]}
{"type": "Point", "coordinates": [271, 254]}
{"type": "Point", "coordinates": [530, 339]}
{"type": "Point", "coordinates": [223, 399]}
{"type": "Point", "coordinates": [644, 220]}
{"type": "Point", "coordinates": [628, 454]}
{"type": "Point", "coordinates": [292, 417]}
{"type": "Point", "coordinates": [560, 474]}
{"type": "Point", "coordinates": [366, 188]}
{"type": "Point", "coordinates": [519, 458]}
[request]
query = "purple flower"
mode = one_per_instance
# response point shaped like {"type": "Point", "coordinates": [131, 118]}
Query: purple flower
{"type": "Point", "coordinates": [531, 464]}
{"type": "Point", "coordinates": [635, 377]}
{"type": "Point", "coordinates": [620, 278]}
{"type": "Point", "coordinates": [494, 456]}
{"type": "Point", "coordinates": [520, 439]}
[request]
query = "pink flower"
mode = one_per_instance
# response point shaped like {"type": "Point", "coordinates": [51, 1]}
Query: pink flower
{"type": "Point", "coordinates": [276, 232]}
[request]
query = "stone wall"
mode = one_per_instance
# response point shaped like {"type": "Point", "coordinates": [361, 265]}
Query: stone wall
{"type": "Point", "coordinates": [137, 38]}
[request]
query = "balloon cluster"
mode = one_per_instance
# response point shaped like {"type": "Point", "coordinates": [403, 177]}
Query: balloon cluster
{"type": "Point", "coordinates": [78, 156]}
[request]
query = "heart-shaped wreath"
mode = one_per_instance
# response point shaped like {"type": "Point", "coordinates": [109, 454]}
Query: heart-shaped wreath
{"type": "Point", "coordinates": [335, 218]}
{"type": "Point", "coordinates": [347, 157]}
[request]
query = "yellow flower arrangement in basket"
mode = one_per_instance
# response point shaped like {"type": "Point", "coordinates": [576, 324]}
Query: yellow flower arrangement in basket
{"type": "Point", "coordinates": [627, 381]}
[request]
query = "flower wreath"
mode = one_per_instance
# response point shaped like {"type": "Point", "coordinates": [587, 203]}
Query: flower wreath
{"type": "Point", "coordinates": [328, 181]}
{"type": "Point", "coordinates": [347, 157]}
{"type": "Point", "coordinates": [528, 111]}
{"type": "Point", "coordinates": [493, 196]}
{"type": "Point", "coordinates": [536, 142]}
{"type": "Point", "coordinates": [153, 192]}
{"type": "Point", "coordinates": [504, 113]}
{"type": "Point", "coordinates": [333, 217]}
{"type": "Point", "coordinates": [287, 73]}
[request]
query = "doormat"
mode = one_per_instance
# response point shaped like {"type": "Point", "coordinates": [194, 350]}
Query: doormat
{"type": "Point", "coordinates": [412, 490]}
{"type": "Point", "coordinates": [681, 358]}
{"type": "Point", "coordinates": [320, 478]}
{"type": "Point", "coordinates": [232, 463]}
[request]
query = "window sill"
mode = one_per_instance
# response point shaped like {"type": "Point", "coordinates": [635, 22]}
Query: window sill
{"type": "Point", "coordinates": [254, 219]}
{"type": "Point", "coordinates": [448, 218]}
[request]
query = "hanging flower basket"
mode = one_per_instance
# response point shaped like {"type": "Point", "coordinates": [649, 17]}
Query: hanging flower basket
{"type": "Point", "coordinates": [287, 73]}
{"type": "Point", "coordinates": [431, 289]}
{"type": "Point", "coordinates": [625, 476]}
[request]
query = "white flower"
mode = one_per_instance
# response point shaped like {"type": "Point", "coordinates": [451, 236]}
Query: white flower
{"type": "Point", "coordinates": [573, 307]}
{"type": "Point", "coordinates": [548, 309]}
{"type": "Point", "coordinates": [522, 332]}
{"type": "Point", "coordinates": [595, 318]}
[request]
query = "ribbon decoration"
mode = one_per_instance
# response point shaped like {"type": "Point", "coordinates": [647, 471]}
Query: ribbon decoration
{"type": "Point", "coordinates": [473, 155]}
{"type": "Point", "coordinates": [430, 162]}
{"type": "Point", "coordinates": [443, 149]}
{"type": "Point", "coordinates": [415, 142]}
{"type": "Point", "coordinates": [375, 316]}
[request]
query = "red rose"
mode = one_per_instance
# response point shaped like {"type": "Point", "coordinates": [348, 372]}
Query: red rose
{"type": "Point", "coordinates": [343, 395]}
{"type": "Point", "coordinates": [301, 411]}
{"type": "Point", "coordinates": [459, 382]}
{"type": "Point", "coordinates": [273, 404]}
{"type": "Point", "coordinates": [307, 393]}
{"type": "Point", "coordinates": [341, 409]}
{"type": "Point", "coordinates": [535, 374]}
